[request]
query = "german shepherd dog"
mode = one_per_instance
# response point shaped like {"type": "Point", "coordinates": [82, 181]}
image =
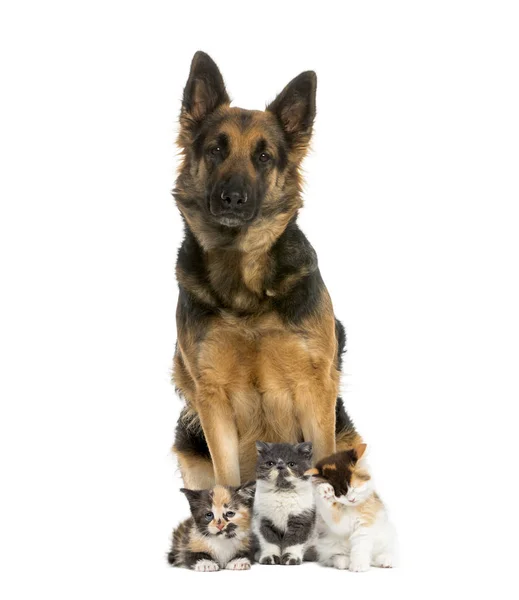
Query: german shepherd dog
{"type": "Point", "coordinates": [258, 354]}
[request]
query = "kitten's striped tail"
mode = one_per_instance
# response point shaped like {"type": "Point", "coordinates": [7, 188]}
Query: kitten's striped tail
{"type": "Point", "coordinates": [179, 543]}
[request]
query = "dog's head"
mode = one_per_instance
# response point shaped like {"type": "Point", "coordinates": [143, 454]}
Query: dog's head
{"type": "Point", "coordinates": [240, 167]}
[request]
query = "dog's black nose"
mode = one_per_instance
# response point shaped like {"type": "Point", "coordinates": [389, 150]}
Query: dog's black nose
{"type": "Point", "coordinates": [233, 197]}
{"type": "Point", "coordinates": [281, 467]}
{"type": "Point", "coordinates": [232, 201]}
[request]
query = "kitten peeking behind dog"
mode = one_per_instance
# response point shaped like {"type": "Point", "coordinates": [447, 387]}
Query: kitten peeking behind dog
{"type": "Point", "coordinates": [284, 509]}
{"type": "Point", "coordinates": [353, 530]}
{"type": "Point", "coordinates": [217, 535]}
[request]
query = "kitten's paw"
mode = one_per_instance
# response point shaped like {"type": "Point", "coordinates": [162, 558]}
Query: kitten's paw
{"type": "Point", "coordinates": [269, 559]}
{"type": "Point", "coordinates": [359, 564]}
{"type": "Point", "coordinates": [384, 561]}
{"type": "Point", "coordinates": [290, 559]}
{"type": "Point", "coordinates": [238, 564]}
{"type": "Point", "coordinates": [205, 565]}
{"type": "Point", "coordinates": [340, 561]}
{"type": "Point", "coordinates": [326, 492]}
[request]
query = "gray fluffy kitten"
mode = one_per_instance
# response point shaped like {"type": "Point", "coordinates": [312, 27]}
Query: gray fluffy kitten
{"type": "Point", "coordinates": [284, 508]}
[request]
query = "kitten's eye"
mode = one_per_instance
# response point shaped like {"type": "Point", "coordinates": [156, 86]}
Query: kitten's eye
{"type": "Point", "coordinates": [209, 516]}
{"type": "Point", "coordinates": [291, 464]}
{"type": "Point", "coordinates": [229, 514]}
{"type": "Point", "coordinates": [264, 157]}
{"type": "Point", "coordinates": [269, 463]}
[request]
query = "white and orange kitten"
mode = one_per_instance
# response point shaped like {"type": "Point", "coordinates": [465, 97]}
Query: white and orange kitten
{"type": "Point", "coordinates": [353, 530]}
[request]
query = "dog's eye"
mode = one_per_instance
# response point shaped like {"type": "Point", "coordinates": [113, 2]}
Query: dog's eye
{"type": "Point", "coordinates": [209, 516]}
{"type": "Point", "coordinates": [229, 514]}
{"type": "Point", "coordinates": [291, 464]}
{"type": "Point", "coordinates": [264, 157]}
{"type": "Point", "coordinates": [216, 151]}
{"type": "Point", "coordinates": [269, 463]}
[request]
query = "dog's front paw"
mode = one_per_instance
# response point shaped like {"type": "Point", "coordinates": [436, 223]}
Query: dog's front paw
{"type": "Point", "coordinates": [359, 564]}
{"type": "Point", "coordinates": [205, 565]}
{"type": "Point", "coordinates": [269, 559]}
{"type": "Point", "coordinates": [238, 564]}
{"type": "Point", "coordinates": [290, 559]}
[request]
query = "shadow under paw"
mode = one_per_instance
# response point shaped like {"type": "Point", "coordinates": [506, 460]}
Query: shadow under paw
{"type": "Point", "coordinates": [269, 560]}
{"type": "Point", "coordinates": [290, 559]}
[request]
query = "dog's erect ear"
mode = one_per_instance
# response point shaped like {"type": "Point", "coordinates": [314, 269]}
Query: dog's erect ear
{"type": "Point", "coordinates": [305, 449]}
{"type": "Point", "coordinates": [262, 447]}
{"type": "Point", "coordinates": [295, 107]}
{"type": "Point", "coordinates": [205, 90]}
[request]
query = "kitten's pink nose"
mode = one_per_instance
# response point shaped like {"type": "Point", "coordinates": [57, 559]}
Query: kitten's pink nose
{"type": "Point", "coordinates": [352, 500]}
{"type": "Point", "coordinates": [220, 526]}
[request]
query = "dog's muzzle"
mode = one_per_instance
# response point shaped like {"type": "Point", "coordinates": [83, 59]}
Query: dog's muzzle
{"type": "Point", "coordinates": [232, 202]}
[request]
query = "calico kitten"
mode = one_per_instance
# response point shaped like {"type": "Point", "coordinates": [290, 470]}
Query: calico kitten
{"type": "Point", "coordinates": [353, 530]}
{"type": "Point", "coordinates": [284, 508]}
{"type": "Point", "coordinates": [218, 533]}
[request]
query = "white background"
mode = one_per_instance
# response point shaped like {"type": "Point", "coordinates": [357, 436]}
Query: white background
{"type": "Point", "coordinates": [411, 203]}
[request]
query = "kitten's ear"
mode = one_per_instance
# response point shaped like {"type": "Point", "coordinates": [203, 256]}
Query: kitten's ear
{"type": "Point", "coordinates": [313, 471]}
{"type": "Point", "coordinates": [305, 449]}
{"type": "Point", "coordinates": [191, 495]}
{"type": "Point", "coordinates": [294, 108]}
{"type": "Point", "coordinates": [359, 450]}
{"type": "Point", "coordinates": [263, 447]}
{"type": "Point", "coordinates": [205, 90]}
{"type": "Point", "coordinates": [247, 491]}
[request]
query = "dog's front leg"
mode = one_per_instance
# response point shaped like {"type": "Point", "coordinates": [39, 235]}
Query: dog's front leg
{"type": "Point", "coordinates": [316, 415]}
{"type": "Point", "coordinates": [218, 422]}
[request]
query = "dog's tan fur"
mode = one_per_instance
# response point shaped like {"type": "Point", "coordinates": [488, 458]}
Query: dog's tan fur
{"type": "Point", "coordinates": [255, 379]}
